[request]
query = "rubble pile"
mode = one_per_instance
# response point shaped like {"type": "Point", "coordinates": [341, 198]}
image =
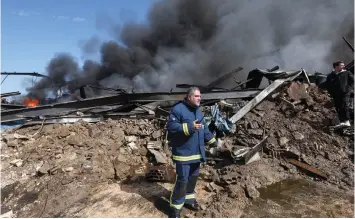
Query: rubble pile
{"type": "Point", "coordinates": [49, 168]}
{"type": "Point", "coordinates": [300, 132]}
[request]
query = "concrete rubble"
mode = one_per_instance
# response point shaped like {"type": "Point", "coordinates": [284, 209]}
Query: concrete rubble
{"type": "Point", "coordinates": [48, 169]}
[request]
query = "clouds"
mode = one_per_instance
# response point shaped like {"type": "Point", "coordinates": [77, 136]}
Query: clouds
{"type": "Point", "coordinates": [61, 17]}
{"type": "Point", "coordinates": [25, 13]}
{"type": "Point", "coordinates": [73, 19]}
{"type": "Point", "coordinates": [78, 19]}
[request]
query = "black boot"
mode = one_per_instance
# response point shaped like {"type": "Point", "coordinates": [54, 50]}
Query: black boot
{"type": "Point", "coordinates": [174, 213]}
{"type": "Point", "coordinates": [193, 206]}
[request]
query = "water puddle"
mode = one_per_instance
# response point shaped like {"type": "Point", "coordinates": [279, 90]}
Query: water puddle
{"type": "Point", "coordinates": [301, 198]}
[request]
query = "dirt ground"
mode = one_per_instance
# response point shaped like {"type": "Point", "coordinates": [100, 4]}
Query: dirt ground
{"type": "Point", "coordinates": [97, 169]}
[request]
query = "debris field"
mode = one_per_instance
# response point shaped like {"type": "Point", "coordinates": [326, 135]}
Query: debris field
{"type": "Point", "coordinates": [121, 166]}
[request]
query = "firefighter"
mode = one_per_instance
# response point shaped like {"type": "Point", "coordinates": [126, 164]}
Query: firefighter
{"type": "Point", "coordinates": [188, 134]}
{"type": "Point", "coordinates": [340, 85]}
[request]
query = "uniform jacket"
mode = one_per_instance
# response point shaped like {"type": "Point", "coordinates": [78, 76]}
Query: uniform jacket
{"type": "Point", "coordinates": [339, 84]}
{"type": "Point", "coordinates": [188, 144]}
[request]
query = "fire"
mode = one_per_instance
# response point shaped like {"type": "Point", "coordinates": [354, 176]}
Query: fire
{"type": "Point", "coordinates": [30, 103]}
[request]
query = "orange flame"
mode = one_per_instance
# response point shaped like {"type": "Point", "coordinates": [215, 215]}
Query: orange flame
{"type": "Point", "coordinates": [30, 103]}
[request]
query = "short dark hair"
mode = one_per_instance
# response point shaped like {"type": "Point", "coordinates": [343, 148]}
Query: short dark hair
{"type": "Point", "coordinates": [337, 63]}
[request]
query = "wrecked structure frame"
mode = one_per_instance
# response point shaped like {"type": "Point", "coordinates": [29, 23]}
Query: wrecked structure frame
{"type": "Point", "coordinates": [13, 115]}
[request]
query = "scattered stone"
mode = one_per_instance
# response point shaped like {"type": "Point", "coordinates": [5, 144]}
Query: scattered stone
{"type": "Point", "coordinates": [154, 145]}
{"type": "Point", "coordinates": [235, 191]}
{"type": "Point", "coordinates": [132, 146]}
{"type": "Point", "coordinates": [297, 91]}
{"type": "Point", "coordinates": [122, 151]}
{"type": "Point", "coordinates": [75, 140]}
{"type": "Point", "coordinates": [3, 145]}
{"type": "Point", "coordinates": [298, 136]}
{"type": "Point", "coordinates": [293, 127]}
{"type": "Point", "coordinates": [70, 156]}
{"type": "Point", "coordinates": [159, 157]}
{"type": "Point", "coordinates": [283, 141]}
{"type": "Point", "coordinates": [214, 176]}
{"type": "Point", "coordinates": [143, 151]}
{"type": "Point", "coordinates": [86, 167]}
{"type": "Point", "coordinates": [251, 192]}
{"type": "Point", "coordinates": [17, 162]}
{"type": "Point", "coordinates": [130, 139]}
{"type": "Point", "coordinates": [157, 134]}
{"type": "Point", "coordinates": [330, 156]}
{"type": "Point", "coordinates": [272, 140]}
{"type": "Point", "coordinates": [62, 132]}
{"type": "Point", "coordinates": [260, 113]}
{"type": "Point", "coordinates": [43, 169]}
{"type": "Point", "coordinates": [132, 130]}
{"type": "Point", "coordinates": [212, 187]}
{"type": "Point", "coordinates": [190, 215]}
{"type": "Point", "coordinates": [256, 132]}
{"type": "Point", "coordinates": [69, 169]}
{"type": "Point", "coordinates": [13, 142]}
{"type": "Point", "coordinates": [281, 132]}
{"type": "Point", "coordinates": [253, 124]}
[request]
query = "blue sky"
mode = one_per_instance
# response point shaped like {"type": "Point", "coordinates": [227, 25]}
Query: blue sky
{"type": "Point", "coordinates": [33, 31]}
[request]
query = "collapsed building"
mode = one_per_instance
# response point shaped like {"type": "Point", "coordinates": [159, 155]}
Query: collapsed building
{"type": "Point", "coordinates": [264, 136]}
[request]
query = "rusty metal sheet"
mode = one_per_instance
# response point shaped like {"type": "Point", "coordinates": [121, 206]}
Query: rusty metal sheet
{"type": "Point", "coordinates": [306, 167]}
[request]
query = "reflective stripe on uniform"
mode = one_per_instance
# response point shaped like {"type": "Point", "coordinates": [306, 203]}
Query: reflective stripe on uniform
{"type": "Point", "coordinates": [185, 128]}
{"type": "Point", "coordinates": [211, 141]}
{"type": "Point", "coordinates": [178, 207]}
{"type": "Point", "coordinates": [190, 196]}
{"type": "Point", "coordinates": [187, 158]}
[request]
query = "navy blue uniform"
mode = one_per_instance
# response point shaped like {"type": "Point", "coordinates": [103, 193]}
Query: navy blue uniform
{"type": "Point", "coordinates": [188, 148]}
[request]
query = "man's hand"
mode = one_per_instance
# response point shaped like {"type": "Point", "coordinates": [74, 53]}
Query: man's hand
{"type": "Point", "coordinates": [197, 125]}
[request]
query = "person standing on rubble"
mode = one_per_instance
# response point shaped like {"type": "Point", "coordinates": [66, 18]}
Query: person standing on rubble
{"type": "Point", "coordinates": [188, 133]}
{"type": "Point", "coordinates": [340, 86]}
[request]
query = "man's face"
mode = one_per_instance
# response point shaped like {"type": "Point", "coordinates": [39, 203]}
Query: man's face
{"type": "Point", "coordinates": [340, 67]}
{"type": "Point", "coordinates": [195, 98]}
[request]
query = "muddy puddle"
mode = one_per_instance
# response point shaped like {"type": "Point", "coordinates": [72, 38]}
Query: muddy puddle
{"type": "Point", "coordinates": [301, 198]}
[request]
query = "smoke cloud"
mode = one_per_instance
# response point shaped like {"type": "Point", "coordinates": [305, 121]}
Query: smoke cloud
{"type": "Point", "coordinates": [197, 41]}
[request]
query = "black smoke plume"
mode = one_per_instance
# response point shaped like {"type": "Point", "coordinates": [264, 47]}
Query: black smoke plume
{"type": "Point", "coordinates": [195, 41]}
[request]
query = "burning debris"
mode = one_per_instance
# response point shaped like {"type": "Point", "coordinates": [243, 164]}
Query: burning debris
{"type": "Point", "coordinates": [30, 102]}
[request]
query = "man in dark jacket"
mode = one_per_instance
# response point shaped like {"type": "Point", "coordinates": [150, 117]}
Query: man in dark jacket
{"type": "Point", "coordinates": [188, 133]}
{"type": "Point", "coordinates": [340, 85]}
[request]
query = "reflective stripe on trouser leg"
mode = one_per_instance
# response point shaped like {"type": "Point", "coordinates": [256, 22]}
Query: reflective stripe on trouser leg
{"type": "Point", "coordinates": [177, 198]}
{"type": "Point", "coordinates": [190, 189]}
